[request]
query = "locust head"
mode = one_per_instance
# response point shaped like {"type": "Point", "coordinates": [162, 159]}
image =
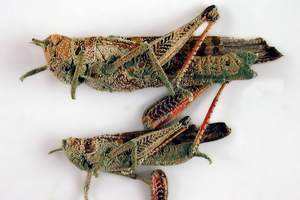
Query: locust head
{"type": "Point", "coordinates": [58, 57]}
{"type": "Point", "coordinates": [54, 46]}
{"type": "Point", "coordinates": [76, 151]}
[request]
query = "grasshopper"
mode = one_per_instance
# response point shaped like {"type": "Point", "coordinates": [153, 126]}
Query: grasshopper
{"type": "Point", "coordinates": [115, 153]}
{"type": "Point", "coordinates": [101, 61]}
{"type": "Point", "coordinates": [186, 65]}
{"type": "Point", "coordinates": [123, 153]}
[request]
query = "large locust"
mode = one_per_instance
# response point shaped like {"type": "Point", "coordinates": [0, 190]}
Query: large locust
{"type": "Point", "coordinates": [186, 64]}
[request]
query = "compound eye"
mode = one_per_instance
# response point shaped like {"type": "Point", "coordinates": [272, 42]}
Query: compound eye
{"type": "Point", "coordinates": [55, 39]}
{"type": "Point", "coordinates": [70, 141]}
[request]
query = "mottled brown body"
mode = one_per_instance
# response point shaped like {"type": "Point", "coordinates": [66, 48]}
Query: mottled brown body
{"type": "Point", "coordinates": [119, 153]}
{"type": "Point", "coordinates": [117, 64]}
{"type": "Point", "coordinates": [174, 152]}
{"type": "Point", "coordinates": [207, 64]}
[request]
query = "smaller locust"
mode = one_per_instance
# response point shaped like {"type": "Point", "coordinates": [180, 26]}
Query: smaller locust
{"type": "Point", "coordinates": [123, 153]}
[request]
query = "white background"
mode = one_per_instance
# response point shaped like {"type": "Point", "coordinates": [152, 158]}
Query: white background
{"type": "Point", "coordinates": [259, 160]}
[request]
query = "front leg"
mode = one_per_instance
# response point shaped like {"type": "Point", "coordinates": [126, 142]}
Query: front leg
{"type": "Point", "coordinates": [87, 184]}
{"type": "Point", "coordinates": [77, 73]}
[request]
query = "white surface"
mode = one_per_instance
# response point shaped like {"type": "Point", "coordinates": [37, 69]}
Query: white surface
{"type": "Point", "coordinates": [259, 160]}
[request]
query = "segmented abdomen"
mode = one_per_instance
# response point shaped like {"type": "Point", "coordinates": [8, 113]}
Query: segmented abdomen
{"type": "Point", "coordinates": [206, 70]}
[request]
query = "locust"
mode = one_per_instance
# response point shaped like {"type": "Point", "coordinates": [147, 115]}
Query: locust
{"type": "Point", "coordinates": [123, 153]}
{"type": "Point", "coordinates": [186, 64]}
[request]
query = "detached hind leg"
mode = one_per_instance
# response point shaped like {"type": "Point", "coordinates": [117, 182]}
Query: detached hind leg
{"type": "Point", "coordinates": [159, 185]}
